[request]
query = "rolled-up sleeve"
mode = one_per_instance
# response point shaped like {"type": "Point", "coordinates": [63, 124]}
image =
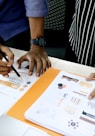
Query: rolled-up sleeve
{"type": "Point", "coordinates": [36, 8]}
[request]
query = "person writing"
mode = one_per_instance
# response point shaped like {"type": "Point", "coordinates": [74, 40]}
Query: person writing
{"type": "Point", "coordinates": [22, 21]}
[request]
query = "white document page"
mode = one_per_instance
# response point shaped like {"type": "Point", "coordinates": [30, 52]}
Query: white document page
{"type": "Point", "coordinates": [5, 103]}
{"type": "Point", "coordinates": [35, 132]}
{"type": "Point", "coordinates": [64, 106]}
{"type": "Point", "coordinates": [15, 86]}
{"type": "Point", "coordinates": [12, 88]}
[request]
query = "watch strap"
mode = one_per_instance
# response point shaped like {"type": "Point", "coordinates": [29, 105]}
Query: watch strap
{"type": "Point", "coordinates": [38, 41]}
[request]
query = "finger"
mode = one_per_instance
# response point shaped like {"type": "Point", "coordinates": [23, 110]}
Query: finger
{"type": "Point", "coordinates": [92, 95]}
{"type": "Point", "coordinates": [4, 71]}
{"type": "Point", "coordinates": [7, 51]}
{"type": "Point", "coordinates": [48, 63]}
{"type": "Point", "coordinates": [21, 59]}
{"type": "Point", "coordinates": [91, 76]}
{"type": "Point", "coordinates": [31, 67]}
{"type": "Point", "coordinates": [10, 58]}
{"type": "Point", "coordinates": [3, 63]}
{"type": "Point", "coordinates": [39, 67]}
{"type": "Point", "coordinates": [44, 65]}
{"type": "Point", "coordinates": [5, 74]}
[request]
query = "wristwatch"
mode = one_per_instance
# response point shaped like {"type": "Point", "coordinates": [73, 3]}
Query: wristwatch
{"type": "Point", "coordinates": [38, 41]}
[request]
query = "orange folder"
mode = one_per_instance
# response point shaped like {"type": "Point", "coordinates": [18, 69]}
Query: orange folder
{"type": "Point", "coordinates": [18, 110]}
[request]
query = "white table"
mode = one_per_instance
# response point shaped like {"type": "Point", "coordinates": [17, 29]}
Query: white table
{"type": "Point", "coordinates": [64, 65]}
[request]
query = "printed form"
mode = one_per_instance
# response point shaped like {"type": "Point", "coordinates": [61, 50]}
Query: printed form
{"type": "Point", "coordinates": [64, 106]}
{"type": "Point", "coordinates": [13, 88]}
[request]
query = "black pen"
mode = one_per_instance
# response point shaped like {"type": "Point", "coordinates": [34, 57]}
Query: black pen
{"type": "Point", "coordinates": [11, 66]}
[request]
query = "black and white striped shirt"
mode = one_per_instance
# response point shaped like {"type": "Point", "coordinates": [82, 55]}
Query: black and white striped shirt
{"type": "Point", "coordinates": [82, 31]}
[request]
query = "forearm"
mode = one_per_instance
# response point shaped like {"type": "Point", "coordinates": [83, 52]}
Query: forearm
{"type": "Point", "coordinates": [36, 27]}
{"type": "Point", "coordinates": [36, 30]}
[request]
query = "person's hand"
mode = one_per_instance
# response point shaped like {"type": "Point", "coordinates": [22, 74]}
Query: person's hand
{"type": "Point", "coordinates": [36, 56]}
{"type": "Point", "coordinates": [91, 77]}
{"type": "Point", "coordinates": [5, 67]}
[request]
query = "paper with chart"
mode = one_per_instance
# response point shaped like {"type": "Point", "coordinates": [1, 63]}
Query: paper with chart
{"type": "Point", "coordinates": [64, 106]}
{"type": "Point", "coordinates": [13, 88]}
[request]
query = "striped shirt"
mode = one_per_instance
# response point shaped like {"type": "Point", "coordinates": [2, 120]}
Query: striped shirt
{"type": "Point", "coordinates": [82, 31]}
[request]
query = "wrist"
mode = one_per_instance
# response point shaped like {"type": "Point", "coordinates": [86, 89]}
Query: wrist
{"type": "Point", "coordinates": [36, 48]}
{"type": "Point", "coordinates": [39, 41]}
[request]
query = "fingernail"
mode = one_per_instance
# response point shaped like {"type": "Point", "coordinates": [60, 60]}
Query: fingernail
{"type": "Point", "coordinates": [6, 76]}
{"type": "Point", "coordinates": [9, 65]}
{"type": "Point", "coordinates": [30, 73]}
{"type": "Point", "coordinates": [37, 74]}
{"type": "Point", "coordinates": [90, 97]}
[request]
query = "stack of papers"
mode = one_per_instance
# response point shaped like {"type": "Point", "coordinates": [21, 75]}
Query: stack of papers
{"type": "Point", "coordinates": [64, 106]}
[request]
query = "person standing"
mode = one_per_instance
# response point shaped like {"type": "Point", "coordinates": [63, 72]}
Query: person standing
{"type": "Point", "coordinates": [20, 21]}
{"type": "Point", "coordinates": [82, 34]}
{"type": "Point", "coordinates": [81, 48]}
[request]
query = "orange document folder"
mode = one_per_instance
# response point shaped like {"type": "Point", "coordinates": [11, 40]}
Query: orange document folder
{"type": "Point", "coordinates": [18, 110]}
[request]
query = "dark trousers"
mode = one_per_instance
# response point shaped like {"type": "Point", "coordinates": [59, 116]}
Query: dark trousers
{"type": "Point", "coordinates": [20, 41]}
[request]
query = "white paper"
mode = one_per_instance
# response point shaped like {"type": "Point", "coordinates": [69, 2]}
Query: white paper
{"type": "Point", "coordinates": [5, 103]}
{"type": "Point", "coordinates": [64, 106]}
{"type": "Point", "coordinates": [13, 88]}
{"type": "Point", "coordinates": [35, 132]}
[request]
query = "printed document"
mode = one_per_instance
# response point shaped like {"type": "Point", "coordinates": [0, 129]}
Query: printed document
{"type": "Point", "coordinates": [64, 106]}
{"type": "Point", "coordinates": [13, 88]}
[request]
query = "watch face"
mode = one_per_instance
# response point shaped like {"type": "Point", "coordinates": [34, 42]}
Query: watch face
{"type": "Point", "coordinates": [41, 42]}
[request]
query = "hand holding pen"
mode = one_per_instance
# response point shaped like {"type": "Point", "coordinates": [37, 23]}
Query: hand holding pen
{"type": "Point", "coordinates": [7, 66]}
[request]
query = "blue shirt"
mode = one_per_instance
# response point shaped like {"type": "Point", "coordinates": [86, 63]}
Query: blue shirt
{"type": "Point", "coordinates": [14, 15]}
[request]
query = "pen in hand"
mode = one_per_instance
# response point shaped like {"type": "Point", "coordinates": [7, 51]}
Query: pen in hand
{"type": "Point", "coordinates": [11, 66]}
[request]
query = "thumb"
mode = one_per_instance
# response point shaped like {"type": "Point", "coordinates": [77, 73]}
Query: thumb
{"type": "Point", "coordinates": [92, 95]}
{"type": "Point", "coordinates": [91, 77]}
